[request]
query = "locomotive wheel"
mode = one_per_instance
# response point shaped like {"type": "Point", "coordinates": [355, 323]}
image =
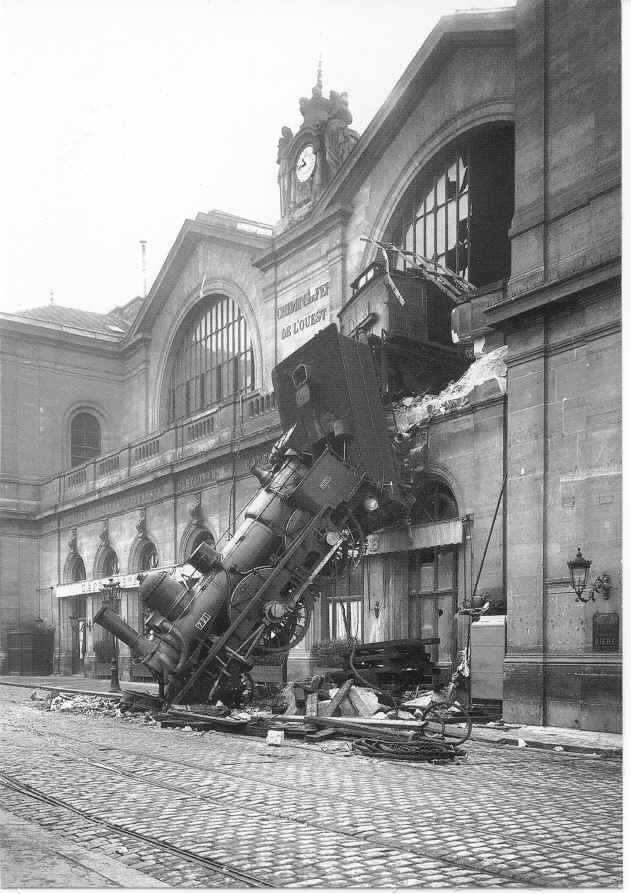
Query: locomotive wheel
{"type": "Point", "coordinates": [281, 625]}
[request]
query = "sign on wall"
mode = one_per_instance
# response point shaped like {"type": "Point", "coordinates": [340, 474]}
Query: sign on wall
{"type": "Point", "coordinates": [606, 632]}
{"type": "Point", "coordinates": [299, 319]}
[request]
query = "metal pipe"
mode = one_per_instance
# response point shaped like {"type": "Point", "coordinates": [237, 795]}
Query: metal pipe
{"type": "Point", "coordinates": [488, 539]}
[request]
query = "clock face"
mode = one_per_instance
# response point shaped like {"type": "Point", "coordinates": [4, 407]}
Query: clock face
{"type": "Point", "coordinates": [306, 163]}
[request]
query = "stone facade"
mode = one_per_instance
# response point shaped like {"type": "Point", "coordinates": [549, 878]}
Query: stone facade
{"type": "Point", "coordinates": [550, 426]}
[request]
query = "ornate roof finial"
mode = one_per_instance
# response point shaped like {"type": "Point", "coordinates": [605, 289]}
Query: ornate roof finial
{"type": "Point", "coordinates": [317, 90]}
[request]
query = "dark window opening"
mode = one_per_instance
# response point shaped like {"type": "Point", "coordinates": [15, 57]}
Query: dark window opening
{"type": "Point", "coordinates": [434, 503]}
{"type": "Point", "coordinates": [203, 536]}
{"type": "Point", "coordinates": [85, 438]}
{"type": "Point", "coordinates": [108, 564]}
{"type": "Point", "coordinates": [148, 558]}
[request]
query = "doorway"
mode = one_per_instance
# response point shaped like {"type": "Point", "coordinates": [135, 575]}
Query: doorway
{"type": "Point", "coordinates": [433, 589]}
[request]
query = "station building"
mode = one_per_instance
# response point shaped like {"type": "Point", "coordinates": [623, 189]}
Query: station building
{"type": "Point", "coordinates": [127, 437]}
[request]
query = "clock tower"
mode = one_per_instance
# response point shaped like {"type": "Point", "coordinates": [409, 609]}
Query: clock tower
{"type": "Point", "coordinates": [309, 159]}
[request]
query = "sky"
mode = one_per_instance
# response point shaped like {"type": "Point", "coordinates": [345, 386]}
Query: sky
{"type": "Point", "coordinates": [124, 118]}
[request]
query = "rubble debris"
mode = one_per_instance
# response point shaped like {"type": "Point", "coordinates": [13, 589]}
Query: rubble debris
{"type": "Point", "coordinates": [487, 374]}
{"type": "Point", "coordinates": [90, 705]}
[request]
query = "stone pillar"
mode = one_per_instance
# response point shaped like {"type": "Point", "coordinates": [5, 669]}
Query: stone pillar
{"type": "Point", "coordinates": [525, 496]}
{"type": "Point", "coordinates": [528, 226]}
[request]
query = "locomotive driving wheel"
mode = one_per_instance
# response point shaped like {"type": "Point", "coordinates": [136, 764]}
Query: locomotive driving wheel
{"type": "Point", "coordinates": [279, 621]}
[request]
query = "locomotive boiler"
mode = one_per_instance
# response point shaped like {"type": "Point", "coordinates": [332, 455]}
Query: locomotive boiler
{"type": "Point", "coordinates": [330, 478]}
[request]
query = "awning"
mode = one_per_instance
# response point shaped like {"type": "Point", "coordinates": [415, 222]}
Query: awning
{"type": "Point", "coordinates": [415, 537]}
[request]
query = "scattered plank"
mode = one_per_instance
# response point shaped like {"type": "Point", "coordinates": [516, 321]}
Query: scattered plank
{"type": "Point", "coordinates": [337, 699]}
{"type": "Point", "coordinates": [321, 734]}
{"type": "Point", "coordinates": [368, 723]}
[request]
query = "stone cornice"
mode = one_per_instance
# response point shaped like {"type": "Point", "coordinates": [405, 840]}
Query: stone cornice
{"type": "Point", "coordinates": [551, 292]}
{"type": "Point", "coordinates": [302, 235]}
{"type": "Point", "coordinates": [56, 333]}
{"type": "Point", "coordinates": [191, 234]}
{"type": "Point", "coordinates": [606, 659]}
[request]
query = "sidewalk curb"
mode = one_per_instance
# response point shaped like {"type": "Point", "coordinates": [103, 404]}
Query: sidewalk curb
{"type": "Point", "coordinates": [551, 746]}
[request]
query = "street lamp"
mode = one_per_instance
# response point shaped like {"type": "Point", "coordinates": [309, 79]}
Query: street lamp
{"type": "Point", "coordinates": [110, 592]}
{"type": "Point", "coordinates": [579, 572]}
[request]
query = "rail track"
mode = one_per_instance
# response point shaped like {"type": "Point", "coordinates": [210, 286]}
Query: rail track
{"type": "Point", "coordinates": [216, 866]}
{"type": "Point", "coordinates": [178, 766]}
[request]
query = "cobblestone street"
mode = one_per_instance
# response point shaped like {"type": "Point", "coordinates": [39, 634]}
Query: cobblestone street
{"type": "Point", "coordinates": [189, 809]}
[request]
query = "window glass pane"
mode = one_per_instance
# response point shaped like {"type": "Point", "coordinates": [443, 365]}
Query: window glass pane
{"type": "Point", "coordinates": [430, 247]}
{"type": "Point", "coordinates": [440, 231]}
{"type": "Point", "coordinates": [463, 206]}
{"type": "Point", "coordinates": [451, 181]}
{"type": "Point", "coordinates": [355, 607]}
{"type": "Point", "coordinates": [429, 200]}
{"type": "Point", "coordinates": [426, 576]}
{"type": "Point", "coordinates": [440, 190]}
{"type": "Point", "coordinates": [463, 174]}
{"type": "Point", "coordinates": [446, 570]}
{"type": "Point", "coordinates": [451, 225]}
{"type": "Point", "coordinates": [409, 238]}
{"type": "Point", "coordinates": [419, 246]}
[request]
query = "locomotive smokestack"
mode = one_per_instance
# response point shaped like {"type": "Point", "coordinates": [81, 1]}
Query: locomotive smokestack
{"type": "Point", "coordinates": [108, 619]}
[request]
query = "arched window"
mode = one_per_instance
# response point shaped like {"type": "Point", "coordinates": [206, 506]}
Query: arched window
{"type": "Point", "coordinates": [85, 438]}
{"type": "Point", "coordinates": [107, 565]}
{"type": "Point", "coordinates": [148, 556]}
{"type": "Point", "coordinates": [213, 358]}
{"type": "Point", "coordinates": [74, 570]}
{"type": "Point", "coordinates": [459, 209]}
{"type": "Point", "coordinates": [434, 503]}
{"type": "Point", "coordinates": [202, 536]}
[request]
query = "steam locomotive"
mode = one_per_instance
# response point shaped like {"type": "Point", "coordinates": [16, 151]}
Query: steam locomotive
{"type": "Point", "coordinates": [331, 478]}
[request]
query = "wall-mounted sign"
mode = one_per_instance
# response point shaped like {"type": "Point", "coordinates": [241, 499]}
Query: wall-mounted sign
{"type": "Point", "coordinates": [84, 587]}
{"type": "Point", "coordinates": [606, 632]}
{"type": "Point", "coordinates": [299, 319]}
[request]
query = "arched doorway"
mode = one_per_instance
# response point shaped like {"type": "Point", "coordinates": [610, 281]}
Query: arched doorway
{"type": "Point", "coordinates": [74, 611]}
{"type": "Point", "coordinates": [433, 572]}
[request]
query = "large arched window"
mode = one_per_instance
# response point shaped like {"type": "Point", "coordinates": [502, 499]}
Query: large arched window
{"type": "Point", "coordinates": [85, 438]}
{"type": "Point", "coordinates": [459, 209]}
{"type": "Point", "coordinates": [213, 358]}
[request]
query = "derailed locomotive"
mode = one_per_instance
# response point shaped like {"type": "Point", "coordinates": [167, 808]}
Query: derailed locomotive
{"type": "Point", "coordinates": [330, 479]}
